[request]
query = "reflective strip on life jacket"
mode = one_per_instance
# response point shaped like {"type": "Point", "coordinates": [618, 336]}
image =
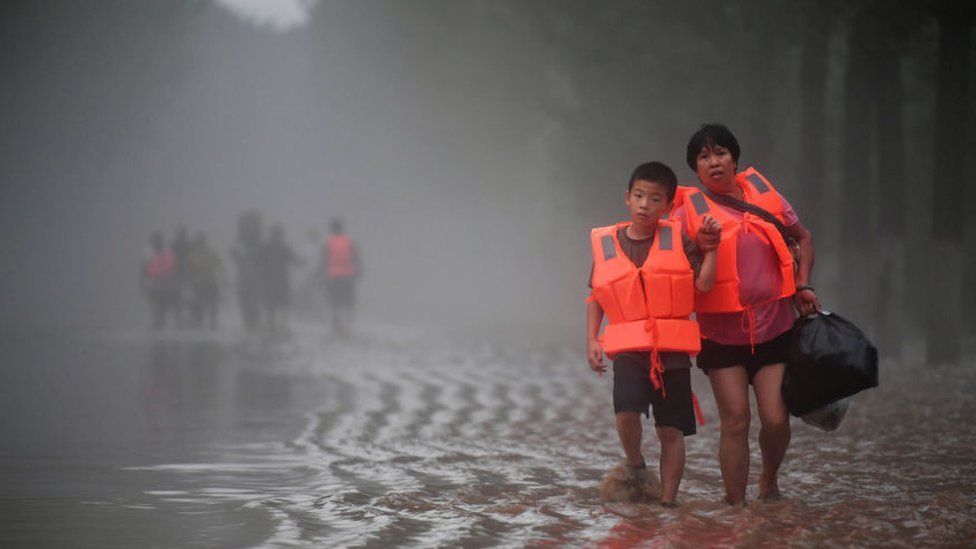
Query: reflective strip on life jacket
{"type": "Point", "coordinates": [724, 296]}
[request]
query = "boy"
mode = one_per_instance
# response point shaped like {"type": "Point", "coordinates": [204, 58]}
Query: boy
{"type": "Point", "coordinates": [643, 281]}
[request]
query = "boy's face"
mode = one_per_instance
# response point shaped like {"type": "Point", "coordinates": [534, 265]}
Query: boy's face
{"type": "Point", "coordinates": [715, 166]}
{"type": "Point", "coordinates": [647, 202]}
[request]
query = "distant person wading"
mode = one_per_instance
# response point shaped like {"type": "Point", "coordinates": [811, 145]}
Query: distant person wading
{"type": "Point", "coordinates": [746, 318]}
{"type": "Point", "coordinates": [157, 280]}
{"type": "Point", "coordinates": [342, 268]}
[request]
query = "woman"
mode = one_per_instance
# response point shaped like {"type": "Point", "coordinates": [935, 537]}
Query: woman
{"type": "Point", "coordinates": [746, 318]}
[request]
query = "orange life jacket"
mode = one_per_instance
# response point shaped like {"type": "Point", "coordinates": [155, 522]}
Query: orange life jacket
{"type": "Point", "coordinates": [756, 189]}
{"type": "Point", "coordinates": [339, 257]}
{"type": "Point", "coordinates": [647, 309]}
{"type": "Point", "coordinates": [161, 264]}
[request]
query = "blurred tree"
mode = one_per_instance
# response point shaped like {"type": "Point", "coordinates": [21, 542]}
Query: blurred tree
{"type": "Point", "coordinates": [954, 61]}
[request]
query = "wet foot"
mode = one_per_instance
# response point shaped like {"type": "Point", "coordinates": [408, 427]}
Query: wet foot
{"type": "Point", "coordinates": [733, 503]}
{"type": "Point", "coordinates": [639, 473]}
{"type": "Point", "coordinates": [768, 489]}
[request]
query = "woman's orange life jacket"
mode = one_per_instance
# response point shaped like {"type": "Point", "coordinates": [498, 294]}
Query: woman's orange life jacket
{"type": "Point", "coordinates": [647, 309]}
{"type": "Point", "coordinates": [339, 257]}
{"type": "Point", "coordinates": [161, 264]}
{"type": "Point", "coordinates": [756, 189]}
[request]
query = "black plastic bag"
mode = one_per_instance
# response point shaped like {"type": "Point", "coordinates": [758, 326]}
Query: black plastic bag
{"type": "Point", "coordinates": [829, 359]}
{"type": "Point", "coordinates": [829, 417]}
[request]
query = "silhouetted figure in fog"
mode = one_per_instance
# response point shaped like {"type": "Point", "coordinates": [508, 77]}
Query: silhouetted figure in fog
{"type": "Point", "coordinates": [342, 268]}
{"type": "Point", "coordinates": [181, 247]}
{"type": "Point", "coordinates": [158, 280]}
{"type": "Point", "coordinates": [246, 254]}
{"type": "Point", "coordinates": [277, 259]}
{"type": "Point", "coordinates": [203, 268]}
{"type": "Point", "coordinates": [308, 289]}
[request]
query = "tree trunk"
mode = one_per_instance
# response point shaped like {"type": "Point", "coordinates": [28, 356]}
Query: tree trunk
{"type": "Point", "coordinates": [857, 178]}
{"type": "Point", "coordinates": [944, 318]}
{"type": "Point", "coordinates": [890, 263]}
{"type": "Point", "coordinates": [813, 87]}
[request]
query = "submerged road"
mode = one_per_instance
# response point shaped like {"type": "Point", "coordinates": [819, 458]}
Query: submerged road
{"type": "Point", "coordinates": [396, 438]}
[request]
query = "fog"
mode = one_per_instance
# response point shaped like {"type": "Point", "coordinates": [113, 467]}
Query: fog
{"type": "Point", "coordinates": [468, 145]}
{"type": "Point", "coordinates": [122, 120]}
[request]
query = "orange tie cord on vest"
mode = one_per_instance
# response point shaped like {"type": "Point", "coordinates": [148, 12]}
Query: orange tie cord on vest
{"type": "Point", "coordinates": [656, 367]}
{"type": "Point", "coordinates": [699, 415]}
{"type": "Point", "coordinates": [750, 319]}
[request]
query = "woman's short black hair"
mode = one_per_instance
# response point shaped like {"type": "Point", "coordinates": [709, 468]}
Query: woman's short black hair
{"type": "Point", "coordinates": [709, 135]}
{"type": "Point", "coordinates": [655, 172]}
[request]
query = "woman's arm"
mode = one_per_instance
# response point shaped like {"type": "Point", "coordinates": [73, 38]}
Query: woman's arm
{"type": "Point", "coordinates": [805, 300]}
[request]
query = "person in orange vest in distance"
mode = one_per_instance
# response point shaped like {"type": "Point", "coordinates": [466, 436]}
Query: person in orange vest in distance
{"type": "Point", "coordinates": [746, 320]}
{"type": "Point", "coordinates": [342, 268]}
{"type": "Point", "coordinates": [645, 274]}
{"type": "Point", "coordinates": [157, 280]}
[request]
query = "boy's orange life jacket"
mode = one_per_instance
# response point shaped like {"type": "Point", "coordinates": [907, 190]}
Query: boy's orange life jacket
{"type": "Point", "coordinates": [339, 260]}
{"type": "Point", "coordinates": [756, 189]}
{"type": "Point", "coordinates": [647, 309]}
{"type": "Point", "coordinates": [161, 264]}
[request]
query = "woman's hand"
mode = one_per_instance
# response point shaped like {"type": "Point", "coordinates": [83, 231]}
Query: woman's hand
{"type": "Point", "coordinates": [594, 355]}
{"type": "Point", "coordinates": [806, 301]}
{"type": "Point", "coordinates": [709, 234]}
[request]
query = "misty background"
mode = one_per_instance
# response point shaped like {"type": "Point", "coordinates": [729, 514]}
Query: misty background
{"type": "Point", "coordinates": [470, 146]}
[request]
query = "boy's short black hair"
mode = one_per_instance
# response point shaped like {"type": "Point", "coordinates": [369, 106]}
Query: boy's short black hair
{"type": "Point", "coordinates": [709, 135]}
{"type": "Point", "coordinates": [655, 172]}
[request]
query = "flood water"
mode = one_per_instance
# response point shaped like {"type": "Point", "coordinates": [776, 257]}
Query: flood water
{"type": "Point", "coordinates": [133, 439]}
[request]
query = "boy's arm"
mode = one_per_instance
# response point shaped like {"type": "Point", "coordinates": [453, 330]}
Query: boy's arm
{"type": "Point", "coordinates": [594, 351]}
{"type": "Point", "coordinates": [711, 229]}
{"type": "Point", "coordinates": [706, 275]}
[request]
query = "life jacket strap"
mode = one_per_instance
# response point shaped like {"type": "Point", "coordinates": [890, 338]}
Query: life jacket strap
{"type": "Point", "coordinates": [699, 415]}
{"type": "Point", "coordinates": [749, 318]}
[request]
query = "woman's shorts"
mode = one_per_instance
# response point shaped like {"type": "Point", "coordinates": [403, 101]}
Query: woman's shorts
{"type": "Point", "coordinates": [714, 356]}
{"type": "Point", "coordinates": [633, 391]}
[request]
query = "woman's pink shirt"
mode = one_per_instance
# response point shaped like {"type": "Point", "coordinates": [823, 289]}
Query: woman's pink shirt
{"type": "Point", "coordinates": [759, 281]}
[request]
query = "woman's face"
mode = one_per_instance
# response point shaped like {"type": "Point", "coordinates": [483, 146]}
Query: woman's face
{"type": "Point", "coordinates": [716, 168]}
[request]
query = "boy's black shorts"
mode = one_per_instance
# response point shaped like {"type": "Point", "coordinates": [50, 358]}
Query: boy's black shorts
{"type": "Point", "coordinates": [716, 355]}
{"type": "Point", "coordinates": [633, 391]}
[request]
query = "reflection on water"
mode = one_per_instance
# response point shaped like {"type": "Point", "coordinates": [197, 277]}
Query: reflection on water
{"type": "Point", "coordinates": [394, 439]}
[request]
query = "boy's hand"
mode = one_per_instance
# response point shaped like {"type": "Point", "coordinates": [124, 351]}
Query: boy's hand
{"type": "Point", "coordinates": [709, 234]}
{"type": "Point", "coordinates": [594, 355]}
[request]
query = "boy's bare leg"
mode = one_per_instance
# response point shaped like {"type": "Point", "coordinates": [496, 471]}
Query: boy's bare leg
{"type": "Point", "coordinates": [672, 462]}
{"type": "Point", "coordinates": [774, 435]}
{"type": "Point", "coordinates": [731, 389]}
{"type": "Point", "coordinates": [630, 431]}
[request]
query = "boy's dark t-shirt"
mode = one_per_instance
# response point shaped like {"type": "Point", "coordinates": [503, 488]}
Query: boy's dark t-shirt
{"type": "Point", "coordinates": [637, 251]}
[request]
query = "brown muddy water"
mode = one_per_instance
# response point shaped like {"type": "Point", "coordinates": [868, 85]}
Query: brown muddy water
{"type": "Point", "coordinates": [404, 439]}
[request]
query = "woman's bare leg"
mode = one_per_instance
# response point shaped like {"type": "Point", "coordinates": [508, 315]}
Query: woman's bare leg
{"type": "Point", "coordinates": [731, 389]}
{"type": "Point", "coordinates": [774, 436]}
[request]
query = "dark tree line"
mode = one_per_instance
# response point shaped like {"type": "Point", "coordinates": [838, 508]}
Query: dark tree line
{"type": "Point", "coordinates": [861, 109]}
